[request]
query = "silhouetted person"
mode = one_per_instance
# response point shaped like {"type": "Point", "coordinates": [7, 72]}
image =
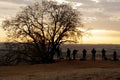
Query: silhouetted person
{"type": "Point", "coordinates": [84, 54]}
{"type": "Point", "coordinates": [58, 50]}
{"type": "Point", "coordinates": [68, 57]}
{"type": "Point", "coordinates": [93, 54]}
{"type": "Point", "coordinates": [74, 54]}
{"type": "Point", "coordinates": [104, 54]}
{"type": "Point", "coordinates": [115, 56]}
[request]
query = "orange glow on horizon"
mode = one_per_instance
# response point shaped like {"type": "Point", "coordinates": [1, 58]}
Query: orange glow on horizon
{"type": "Point", "coordinates": [96, 37]}
{"type": "Point", "coordinates": [102, 37]}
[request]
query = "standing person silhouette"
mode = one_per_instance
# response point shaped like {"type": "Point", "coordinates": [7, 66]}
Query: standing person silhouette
{"type": "Point", "coordinates": [104, 54]}
{"type": "Point", "coordinates": [93, 54]}
{"type": "Point", "coordinates": [68, 54]}
{"type": "Point", "coordinates": [84, 54]}
{"type": "Point", "coordinates": [115, 56]}
{"type": "Point", "coordinates": [74, 54]}
{"type": "Point", "coordinates": [58, 52]}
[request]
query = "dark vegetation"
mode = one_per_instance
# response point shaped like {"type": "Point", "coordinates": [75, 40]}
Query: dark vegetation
{"type": "Point", "coordinates": [43, 27]}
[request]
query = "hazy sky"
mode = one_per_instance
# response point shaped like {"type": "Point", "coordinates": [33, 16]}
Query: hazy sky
{"type": "Point", "coordinates": [101, 15]}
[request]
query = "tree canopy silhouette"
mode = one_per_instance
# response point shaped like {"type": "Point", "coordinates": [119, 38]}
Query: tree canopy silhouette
{"type": "Point", "coordinates": [46, 25]}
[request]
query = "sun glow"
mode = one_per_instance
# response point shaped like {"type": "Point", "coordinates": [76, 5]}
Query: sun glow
{"type": "Point", "coordinates": [102, 37]}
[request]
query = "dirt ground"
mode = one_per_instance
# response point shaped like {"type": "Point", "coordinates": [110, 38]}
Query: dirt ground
{"type": "Point", "coordinates": [63, 70]}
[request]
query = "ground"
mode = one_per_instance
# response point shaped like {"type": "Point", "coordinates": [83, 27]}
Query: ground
{"type": "Point", "coordinates": [63, 70]}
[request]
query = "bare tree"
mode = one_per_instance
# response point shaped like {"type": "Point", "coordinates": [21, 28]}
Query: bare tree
{"type": "Point", "coordinates": [46, 25]}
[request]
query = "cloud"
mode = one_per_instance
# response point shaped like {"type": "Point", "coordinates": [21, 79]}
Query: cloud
{"type": "Point", "coordinates": [20, 1]}
{"type": "Point", "coordinates": [115, 18]}
{"type": "Point", "coordinates": [97, 1]}
{"type": "Point", "coordinates": [60, 1]}
{"type": "Point", "coordinates": [9, 8]}
{"type": "Point", "coordinates": [113, 0]}
{"type": "Point", "coordinates": [14, 1]}
{"type": "Point", "coordinates": [107, 13]}
{"type": "Point", "coordinates": [96, 13]}
{"type": "Point", "coordinates": [89, 19]}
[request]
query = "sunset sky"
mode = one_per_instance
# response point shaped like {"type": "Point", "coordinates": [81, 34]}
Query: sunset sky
{"type": "Point", "coordinates": [101, 16]}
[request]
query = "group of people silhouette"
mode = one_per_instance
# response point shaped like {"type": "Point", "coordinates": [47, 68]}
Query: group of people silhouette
{"type": "Point", "coordinates": [68, 56]}
{"type": "Point", "coordinates": [93, 51]}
